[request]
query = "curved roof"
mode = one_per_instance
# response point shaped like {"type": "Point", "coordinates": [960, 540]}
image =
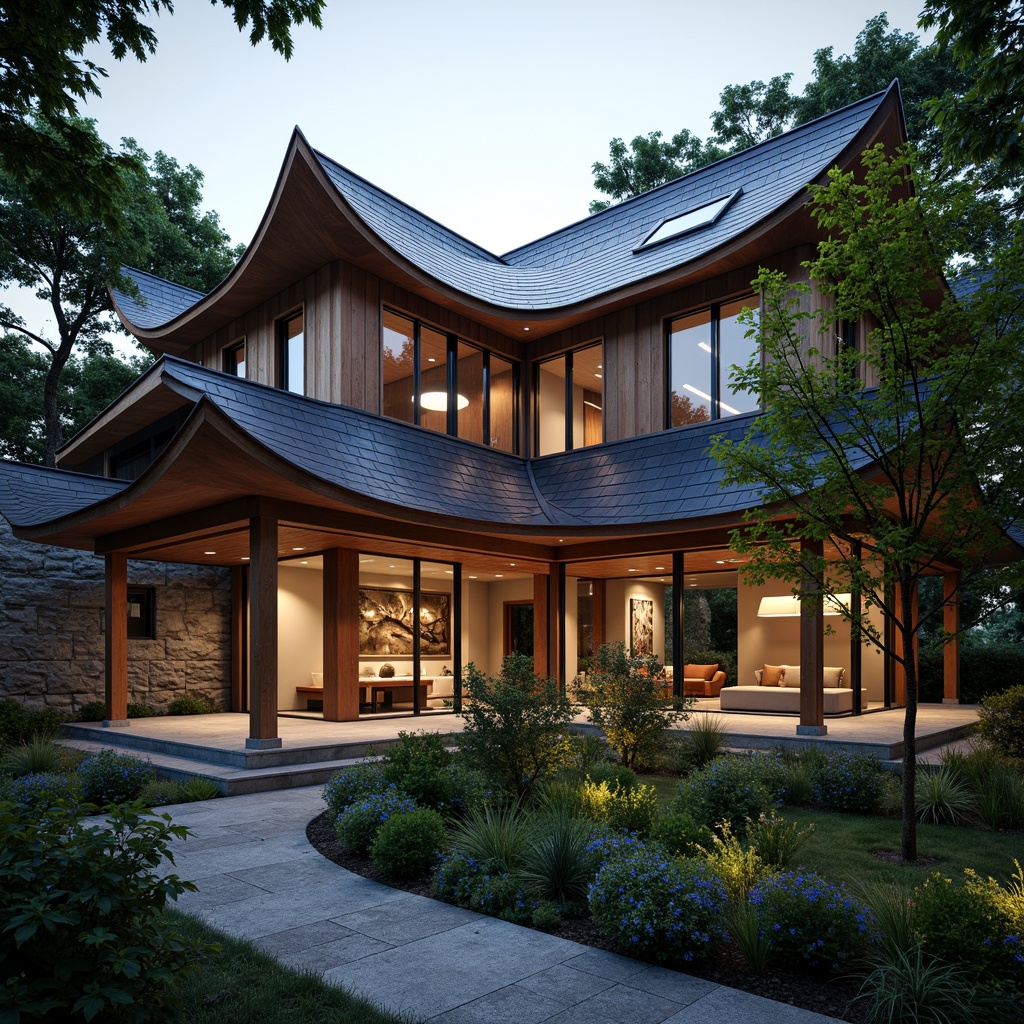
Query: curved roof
{"type": "Point", "coordinates": [334, 213]}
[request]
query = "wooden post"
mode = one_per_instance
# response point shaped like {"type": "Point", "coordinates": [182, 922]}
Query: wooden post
{"type": "Point", "coordinates": [678, 623]}
{"type": "Point", "coordinates": [263, 633]}
{"type": "Point", "coordinates": [542, 662]}
{"type": "Point", "coordinates": [238, 633]}
{"type": "Point", "coordinates": [899, 671]}
{"type": "Point", "coordinates": [599, 612]}
{"type": "Point", "coordinates": [951, 648]}
{"type": "Point", "coordinates": [341, 635]}
{"type": "Point", "coordinates": [115, 640]}
{"type": "Point", "coordinates": [812, 650]}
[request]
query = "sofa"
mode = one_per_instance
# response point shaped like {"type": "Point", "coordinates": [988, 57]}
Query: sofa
{"type": "Point", "coordinates": [699, 680]}
{"type": "Point", "coordinates": [777, 690]}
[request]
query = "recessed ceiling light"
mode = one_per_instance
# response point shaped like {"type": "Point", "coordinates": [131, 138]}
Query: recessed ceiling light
{"type": "Point", "coordinates": [659, 568]}
{"type": "Point", "coordinates": [245, 558]}
{"type": "Point", "coordinates": [431, 359]}
{"type": "Point", "coordinates": [526, 328]}
{"type": "Point", "coordinates": [363, 561]}
{"type": "Point", "coordinates": [209, 552]}
{"type": "Point", "coordinates": [512, 564]}
{"type": "Point", "coordinates": [298, 549]}
{"type": "Point", "coordinates": [391, 567]}
{"type": "Point", "coordinates": [305, 561]}
{"type": "Point", "coordinates": [474, 577]}
{"type": "Point", "coordinates": [631, 570]}
{"type": "Point", "coordinates": [449, 572]}
{"type": "Point", "coordinates": [499, 575]}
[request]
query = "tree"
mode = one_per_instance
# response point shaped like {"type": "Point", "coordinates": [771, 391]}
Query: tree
{"type": "Point", "coordinates": [870, 489]}
{"type": "Point", "coordinates": [70, 260]}
{"type": "Point", "coordinates": [42, 72]}
{"type": "Point", "coordinates": [754, 112]}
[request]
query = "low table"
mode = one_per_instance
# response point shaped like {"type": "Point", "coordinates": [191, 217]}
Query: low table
{"type": "Point", "coordinates": [395, 691]}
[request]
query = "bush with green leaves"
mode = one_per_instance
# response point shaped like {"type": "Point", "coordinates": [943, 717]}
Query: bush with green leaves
{"type": "Point", "coordinates": [36, 794]}
{"type": "Point", "coordinates": [110, 777]}
{"type": "Point", "coordinates": [629, 810]}
{"type": "Point", "coordinates": [738, 866]}
{"type": "Point", "coordinates": [496, 835]}
{"type": "Point", "coordinates": [1001, 720]}
{"type": "Point", "coordinates": [812, 920]}
{"type": "Point", "coordinates": [653, 906]}
{"type": "Point", "coordinates": [706, 736]}
{"type": "Point", "coordinates": [730, 789]}
{"type": "Point", "coordinates": [516, 726]}
{"type": "Point", "coordinates": [775, 840]}
{"type": "Point", "coordinates": [358, 824]}
{"type": "Point", "coordinates": [407, 845]}
{"type": "Point", "coordinates": [92, 711]}
{"type": "Point", "coordinates": [848, 782]}
{"type": "Point", "coordinates": [196, 788]}
{"type": "Point", "coordinates": [680, 834]}
{"type": "Point", "coordinates": [40, 755]}
{"type": "Point", "coordinates": [626, 698]}
{"type": "Point", "coordinates": [942, 796]}
{"type": "Point", "coordinates": [614, 774]}
{"type": "Point", "coordinates": [350, 784]}
{"type": "Point", "coordinates": [557, 867]}
{"type": "Point", "coordinates": [417, 765]}
{"type": "Point", "coordinates": [483, 887]}
{"type": "Point", "coordinates": [19, 724]}
{"type": "Point", "coordinates": [84, 938]}
{"type": "Point", "coordinates": [140, 710]}
{"type": "Point", "coordinates": [192, 704]}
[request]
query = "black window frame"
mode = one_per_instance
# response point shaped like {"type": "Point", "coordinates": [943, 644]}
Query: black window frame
{"type": "Point", "coordinates": [145, 598]}
{"type": "Point", "coordinates": [569, 438]}
{"type": "Point", "coordinates": [230, 362]}
{"type": "Point", "coordinates": [283, 363]}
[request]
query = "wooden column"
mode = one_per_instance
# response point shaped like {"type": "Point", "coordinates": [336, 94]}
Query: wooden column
{"type": "Point", "coordinates": [239, 650]}
{"type": "Point", "coordinates": [263, 633]}
{"type": "Point", "coordinates": [341, 635]}
{"type": "Point", "coordinates": [600, 611]}
{"type": "Point", "coordinates": [678, 623]}
{"type": "Point", "coordinates": [951, 648]}
{"type": "Point", "coordinates": [812, 650]}
{"type": "Point", "coordinates": [545, 623]}
{"type": "Point", "coordinates": [899, 671]}
{"type": "Point", "coordinates": [115, 639]}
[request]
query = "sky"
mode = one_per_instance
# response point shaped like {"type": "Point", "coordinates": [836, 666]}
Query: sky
{"type": "Point", "coordinates": [483, 114]}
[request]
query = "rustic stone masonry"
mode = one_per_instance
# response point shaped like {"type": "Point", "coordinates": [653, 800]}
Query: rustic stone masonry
{"type": "Point", "coordinates": [51, 629]}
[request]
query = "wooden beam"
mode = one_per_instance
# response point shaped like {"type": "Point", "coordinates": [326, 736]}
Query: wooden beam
{"type": "Point", "coordinates": [951, 648]}
{"type": "Point", "coordinates": [812, 649]}
{"type": "Point", "coordinates": [115, 639]}
{"type": "Point", "coordinates": [341, 635]}
{"type": "Point", "coordinates": [263, 633]}
{"type": "Point", "coordinates": [239, 629]}
{"type": "Point", "coordinates": [181, 527]}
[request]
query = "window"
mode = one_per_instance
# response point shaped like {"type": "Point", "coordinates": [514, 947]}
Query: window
{"type": "Point", "coordinates": [234, 360]}
{"type": "Point", "coordinates": [292, 354]}
{"type": "Point", "coordinates": [690, 220]}
{"type": "Point", "coordinates": [702, 347]}
{"type": "Point", "coordinates": [569, 401]}
{"type": "Point", "coordinates": [518, 628]}
{"type": "Point", "coordinates": [142, 613]}
{"type": "Point", "coordinates": [443, 383]}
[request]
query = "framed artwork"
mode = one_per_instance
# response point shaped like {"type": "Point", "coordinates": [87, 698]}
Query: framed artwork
{"type": "Point", "coordinates": [641, 620]}
{"type": "Point", "coordinates": [386, 622]}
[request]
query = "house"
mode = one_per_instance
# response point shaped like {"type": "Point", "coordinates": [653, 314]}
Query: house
{"type": "Point", "coordinates": [410, 452]}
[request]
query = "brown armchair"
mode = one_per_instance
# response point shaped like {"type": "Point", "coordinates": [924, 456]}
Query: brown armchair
{"type": "Point", "coordinates": [702, 680]}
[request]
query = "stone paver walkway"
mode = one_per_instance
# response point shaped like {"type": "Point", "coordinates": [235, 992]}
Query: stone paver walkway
{"type": "Point", "coordinates": [260, 879]}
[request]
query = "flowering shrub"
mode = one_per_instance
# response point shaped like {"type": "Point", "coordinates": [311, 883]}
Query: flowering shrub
{"type": "Point", "coordinates": [480, 886]}
{"type": "Point", "coordinates": [607, 844]}
{"type": "Point", "coordinates": [416, 764]}
{"type": "Point", "coordinates": [348, 785]}
{"type": "Point", "coordinates": [652, 906]}
{"type": "Point", "coordinates": [629, 810]}
{"type": "Point", "coordinates": [408, 844]}
{"type": "Point", "coordinates": [729, 789]}
{"type": "Point", "coordinates": [807, 917]}
{"type": "Point", "coordinates": [848, 782]}
{"type": "Point", "coordinates": [357, 826]}
{"type": "Point", "coordinates": [38, 792]}
{"type": "Point", "coordinates": [112, 778]}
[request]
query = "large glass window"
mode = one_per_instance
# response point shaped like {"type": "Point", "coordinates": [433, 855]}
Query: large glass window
{"type": "Point", "coordinates": [569, 401]}
{"type": "Point", "coordinates": [445, 384]}
{"type": "Point", "coordinates": [702, 347]}
{"type": "Point", "coordinates": [234, 360]}
{"type": "Point", "coordinates": [293, 354]}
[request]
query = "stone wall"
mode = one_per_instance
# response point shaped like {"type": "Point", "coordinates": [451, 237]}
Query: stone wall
{"type": "Point", "coordinates": [51, 629]}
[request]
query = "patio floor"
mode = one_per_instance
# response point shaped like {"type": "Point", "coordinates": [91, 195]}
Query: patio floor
{"type": "Point", "coordinates": [213, 746]}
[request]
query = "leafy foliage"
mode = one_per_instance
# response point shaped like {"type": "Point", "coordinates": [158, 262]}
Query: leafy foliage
{"type": "Point", "coordinates": [483, 887]}
{"type": "Point", "coordinates": [738, 866]}
{"type": "Point", "coordinates": [358, 824]}
{"type": "Point", "coordinates": [1002, 721]}
{"type": "Point", "coordinates": [192, 704]}
{"type": "Point", "coordinates": [630, 810]}
{"type": "Point", "coordinates": [680, 834]}
{"type": "Point", "coordinates": [417, 765]}
{"type": "Point", "coordinates": [515, 731]}
{"type": "Point", "coordinates": [82, 934]}
{"type": "Point", "coordinates": [626, 697]}
{"type": "Point", "coordinates": [408, 844]}
{"type": "Point", "coordinates": [848, 782]}
{"type": "Point", "coordinates": [351, 783]}
{"type": "Point", "coordinates": [18, 723]}
{"type": "Point", "coordinates": [775, 840]}
{"type": "Point", "coordinates": [113, 778]}
{"type": "Point", "coordinates": [728, 790]}
{"type": "Point", "coordinates": [941, 795]}
{"type": "Point", "coordinates": [557, 866]}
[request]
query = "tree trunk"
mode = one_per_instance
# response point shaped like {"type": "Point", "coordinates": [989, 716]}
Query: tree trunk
{"type": "Point", "coordinates": [908, 837]}
{"type": "Point", "coordinates": [51, 407]}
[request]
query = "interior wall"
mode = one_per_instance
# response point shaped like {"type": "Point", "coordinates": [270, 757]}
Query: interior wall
{"type": "Point", "coordinates": [497, 594]}
{"type": "Point", "coordinates": [776, 641]}
{"type": "Point", "coordinates": [300, 634]}
{"type": "Point", "coordinates": [617, 612]}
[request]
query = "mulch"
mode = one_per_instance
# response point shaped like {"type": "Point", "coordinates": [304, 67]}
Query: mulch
{"type": "Point", "coordinates": [831, 996]}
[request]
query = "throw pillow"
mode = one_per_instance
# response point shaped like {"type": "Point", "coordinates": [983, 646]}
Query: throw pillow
{"type": "Point", "coordinates": [773, 675]}
{"type": "Point", "coordinates": [834, 676]}
{"type": "Point", "coordinates": [791, 677]}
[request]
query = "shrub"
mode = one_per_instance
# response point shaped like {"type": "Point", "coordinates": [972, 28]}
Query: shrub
{"type": "Point", "coordinates": [728, 789]}
{"type": "Point", "coordinates": [358, 824]}
{"type": "Point", "coordinates": [616, 775]}
{"type": "Point", "coordinates": [40, 755]}
{"type": "Point", "coordinates": [941, 795]}
{"type": "Point", "coordinates": [630, 810]}
{"type": "Point", "coordinates": [652, 906]}
{"type": "Point", "coordinates": [556, 866]}
{"type": "Point", "coordinates": [812, 920]}
{"type": "Point", "coordinates": [1000, 800]}
{"type": "Point", "coordinates": [893, 909]}
{"type": "Point", "coordinates": [416, 765]}
{"type": "Point", "coordinates": [19, 724]}
{"type": "Point", "coordinates": [352, 783]}
{"type": "Point", "coordinates": [192, 704]}
{"type": "Point", "coordinates": [499, 836]}
{"type": "Point", "coordinates": [848, 782]}
{"type": "Point", "coordinates": [754, 945]}
{"type": "Point", "coordinates": [776, 840]}
{"type": "Point", "coordinates": [483, 887]}
{"type": "Point", "coordinates": [112, 778]}
{"type": "Point", "coordinates": [197, 788]}
{"type": "Point", "coordinates": [607, 845]}
{"type": "Point", "coordinates": [85, 938]}
{"type": "Point", "coordinates": [798, 786]}
{"type": "Point", "coordinates": [626, 698]}
{"type": "Point", "coordinates": [93, 711]}
{"type": "Point", "coordinates": [977, 925]}
{"type": "Point", "coordinates": [739, 868]}
{"type": "Point", "coordinates": [1001, 720]}
{"type": "Point", "coordinates": [707, 739]}
{"type": "Point", "coordinates": [465, 788]}
{"type": "Point", "coordinates": [160, 792]}
{"type": "Point", "coordinates": [138, 711]}
{"type": "Point", "coordinates": [680, 834]}
{"type": "Point", "coordinates": [407, 845]}
{"type": "Point", "coordinates": [36, 794]}
{"type": "Point", "coordinates": [515, 725]}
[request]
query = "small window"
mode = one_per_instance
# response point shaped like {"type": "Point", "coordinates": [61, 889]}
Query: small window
{"type": "Point", "coordinates": [234, 360]}
{"type": "Point", "coordinates": [293, 355]}
{"type": "Point", "coordinates": [142, 613]}
{"type": "Point", "coordinates": [691, 220]}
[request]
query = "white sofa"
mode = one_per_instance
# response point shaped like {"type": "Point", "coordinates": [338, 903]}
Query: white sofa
{"type": "Point", "coordinates": [785, 697]}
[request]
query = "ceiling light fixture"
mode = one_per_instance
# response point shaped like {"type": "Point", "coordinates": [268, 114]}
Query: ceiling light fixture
{"type": "Point", "coordinates": [209, 552]}
{"type": "Point", "coordinates": [437, 401]}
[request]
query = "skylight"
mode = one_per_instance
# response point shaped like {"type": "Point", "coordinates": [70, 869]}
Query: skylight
{"type": "Point", "coordinates": [691, 220]}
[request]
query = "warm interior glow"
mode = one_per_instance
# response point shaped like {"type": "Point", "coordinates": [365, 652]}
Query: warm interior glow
{"type": "Point", "coordinates": [788, 606]}
{"type": "Point", "coordinates": [437, 401]}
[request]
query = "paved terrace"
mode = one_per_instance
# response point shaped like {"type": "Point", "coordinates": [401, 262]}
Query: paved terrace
{"type": "Point", "coordinates": [214, 745]}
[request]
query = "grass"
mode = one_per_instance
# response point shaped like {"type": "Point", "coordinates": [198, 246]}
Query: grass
{"type": "Point", "coordinates": [242, 984]}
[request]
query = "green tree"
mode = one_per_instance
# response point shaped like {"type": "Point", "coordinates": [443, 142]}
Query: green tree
{"type": "Point", "coordinates": [63, 164]}
{"type": "Point", "coordinates": [753, 112]}
{"type": "Point", "coordinates": [70, 260]}
{"type": "Point", "coordinates": [885, 479]}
